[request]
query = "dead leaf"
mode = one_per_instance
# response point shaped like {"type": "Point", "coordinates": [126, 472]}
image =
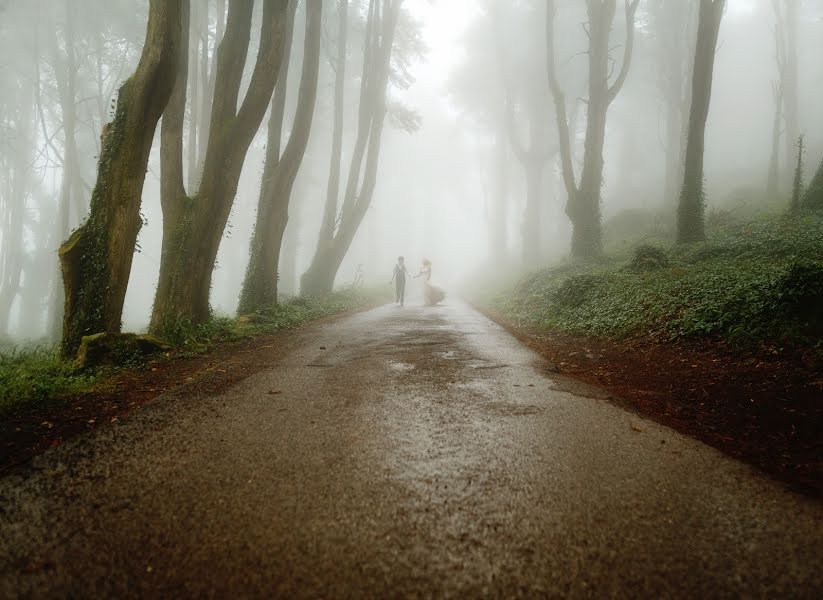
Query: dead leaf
{"type": "Point", "coordinates": [272, 392]}
{"type": "Point", "coordinates": [637, 428]}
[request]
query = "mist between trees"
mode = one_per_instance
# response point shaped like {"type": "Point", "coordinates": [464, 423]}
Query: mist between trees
{"type": "Point", "coordinates": [193, 156]}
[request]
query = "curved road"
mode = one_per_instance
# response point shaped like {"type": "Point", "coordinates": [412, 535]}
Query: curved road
{"type": "Point", "coordinates": [396, 453]}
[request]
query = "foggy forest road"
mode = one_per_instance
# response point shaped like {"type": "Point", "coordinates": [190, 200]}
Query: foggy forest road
{"type": "Point", "coordinates": [396, 453]}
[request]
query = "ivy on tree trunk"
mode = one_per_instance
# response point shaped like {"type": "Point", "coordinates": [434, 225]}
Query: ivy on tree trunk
{"type": "Point", "coordinates": [96, 259]}
{"type": "Point", "coordinates": [193, 224]}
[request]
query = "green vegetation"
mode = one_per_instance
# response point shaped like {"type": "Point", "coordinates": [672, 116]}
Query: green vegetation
{"type": "Point", "coordinates": [38, 375]}
{"type": "Point", "coordinates": [292, 313]}
{"type": "Point", "coordinates": [41, 375]}
{"type": "Point", "coordinates": [751, 284]}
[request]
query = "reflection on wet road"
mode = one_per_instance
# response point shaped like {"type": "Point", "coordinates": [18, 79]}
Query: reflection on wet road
{"type": "Point", "coordinates": [411, 452]}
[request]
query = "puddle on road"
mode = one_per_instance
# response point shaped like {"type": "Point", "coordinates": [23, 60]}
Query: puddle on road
{"type": "Point", "coordinates": [401, 366]}
{"type": "Point", "coordinates": [475, 385]}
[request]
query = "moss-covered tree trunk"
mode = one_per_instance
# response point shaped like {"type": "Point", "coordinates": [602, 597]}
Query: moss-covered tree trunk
{"type": "Point", "coordinates": [193, 225]}
{"type": "Point", "coordinates": [690, 210]}
{"type": "Point", "coordinates": [583, 204]}
{"type": "Point", "coordinates": [813, 197]}
{"type": "Point", "coordinates": [260, 283]}
{"type": "Point", "coordinates": [96, 259]}
{"type": "Point", "coordinates": [329, 254]}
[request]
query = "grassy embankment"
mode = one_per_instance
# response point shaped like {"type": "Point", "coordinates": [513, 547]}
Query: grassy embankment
{"type": "Point", "coordinates": [757, 285]}
{"type": "Point", "coordinates": [39, 375]}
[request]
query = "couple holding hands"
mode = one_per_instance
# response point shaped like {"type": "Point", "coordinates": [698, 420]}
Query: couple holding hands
{"type": "Point", "coordinates": [431, 293]}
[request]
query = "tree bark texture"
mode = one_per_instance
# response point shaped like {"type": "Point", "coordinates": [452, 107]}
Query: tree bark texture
{"type": "Point", "coordinates": [96, 259]}
{"type": "Point", "coordinates": [333, 186]}
{"type": "Point", "coordinates": [193, 225]}
{"type": "Point", "coordinates": [260, 283]}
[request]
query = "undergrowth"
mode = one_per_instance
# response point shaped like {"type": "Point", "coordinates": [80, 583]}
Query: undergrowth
{"type": "Point", "coordinates": [750, 284]}
{"type": "Point", "coordinates": [40, 375]}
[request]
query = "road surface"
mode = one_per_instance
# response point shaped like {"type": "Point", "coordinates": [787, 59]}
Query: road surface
{"type": "Point", "coordinates": [400, 453]}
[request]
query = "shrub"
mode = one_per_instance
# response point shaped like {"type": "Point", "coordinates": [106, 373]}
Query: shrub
{"type": "Point", "coordinates": [754, 283]}
{"type": "Point", "coordinates": [647, 257]}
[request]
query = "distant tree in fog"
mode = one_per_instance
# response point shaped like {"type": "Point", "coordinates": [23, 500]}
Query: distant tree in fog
{"type": "Point", "coordinates": [583, 205]}
{"type": "Point", "coordinates": [690, 210]}
{"type": "Point", "coordinates": [379, 50]}
{"type": "Point", "coordinates": [673, 26]}
{"type": "Point", "coordinates": [478, 87]}
{"type": "Point", "coordinates": [785, 92]}
{"type": "Point", "coordinates": [525, 96]}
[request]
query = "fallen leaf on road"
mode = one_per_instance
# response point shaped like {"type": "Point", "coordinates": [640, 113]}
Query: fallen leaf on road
{"type": "Point", "coordinates": [637, 428]}
{"type": "Point", "coordinates": [274, 391]}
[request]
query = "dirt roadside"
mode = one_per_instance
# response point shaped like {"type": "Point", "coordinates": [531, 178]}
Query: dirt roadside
{"type": "Point", "coordinates": [764, 410]}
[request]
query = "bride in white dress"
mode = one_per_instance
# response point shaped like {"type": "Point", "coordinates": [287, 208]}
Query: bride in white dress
{"type": "Point", "coordinates": [432, 294]}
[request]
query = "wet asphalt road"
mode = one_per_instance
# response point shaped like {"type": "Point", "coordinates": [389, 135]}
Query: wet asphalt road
{"type": "Point", "coordinates": [422, 453]}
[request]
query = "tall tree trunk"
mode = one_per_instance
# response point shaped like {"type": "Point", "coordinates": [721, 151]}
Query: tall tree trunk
{"type": "Point", "coordinates": [207, 76]}
{"type": "Point", "coordinates": [194, 37]}
{"type": "Point", "coordinates": [789, 84]}
{"type": "Point", "coordinates": [673, 23]}
{"type": "Point", "coordinates": [333, 187]}
{"type": "Point", "coordinates": [500, 199]}
{"type": "Point", "coordinates": [96, 259]}
{"type": "Point", "coordinates": [797, 183]}
{"type": "Point", "coordinates": [287, 282]}
{"type": "Point", "coordinates": [260, 284]}
{"type": "Point", "coordinates": [65, 70]}
{"type": "Point", "coordinates": [583, 205]}
{"type": "Point", "coordinates": [773, 180]}
{"type": "Point", "coordinates": [532, 159]}
{"type": "Point", "coordinates": [690, 211]}
{"type": "Point", "coordinates": [813, 197]}
{"type": "Point", "coordinates": [193, 226]}
{"type": "Point", "coordinates": [319, 277]}
{"type": "Point", "coordinates": [274, 140]}
{"type": "Point", "coordinates": [12, 211]}
{"type": "Point", "coordinates": [530, 229]}
{"type": "Point", "coordinates": [13, 204]}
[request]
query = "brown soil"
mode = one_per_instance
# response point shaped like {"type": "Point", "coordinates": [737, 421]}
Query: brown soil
{"type": "Point", "coordinates": [764, 409]}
